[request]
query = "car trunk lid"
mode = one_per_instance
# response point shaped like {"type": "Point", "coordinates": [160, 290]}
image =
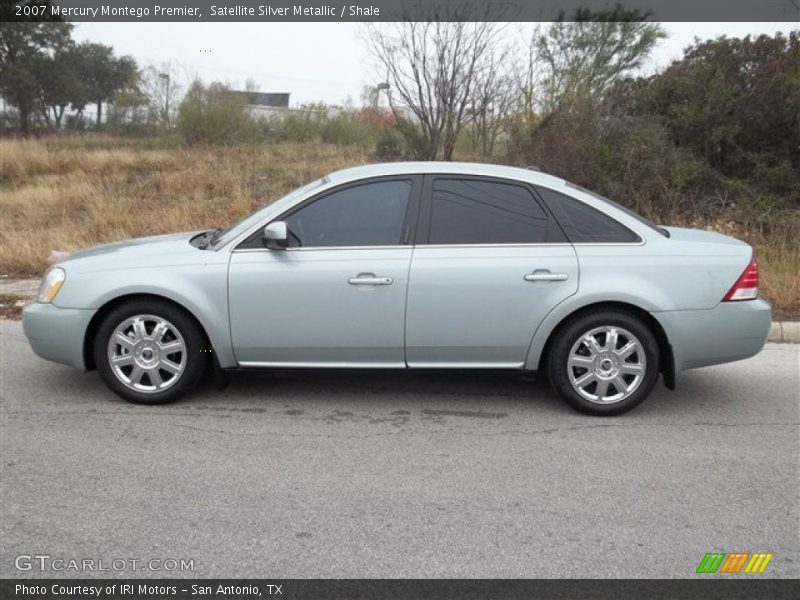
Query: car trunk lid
{"type": "Point", "coordinates": [682, 234]}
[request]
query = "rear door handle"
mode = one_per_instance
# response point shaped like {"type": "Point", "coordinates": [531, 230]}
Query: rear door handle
{"type": "Point", "coordinates": [370, 279]}
{"type": "Point", "coordinates": [545, 275]}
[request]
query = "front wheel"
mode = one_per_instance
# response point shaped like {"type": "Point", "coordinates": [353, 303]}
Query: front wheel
{"type": "Point", "coordinates": [604, 362]}
{"type": "Point", "coordinates": [150, 351]}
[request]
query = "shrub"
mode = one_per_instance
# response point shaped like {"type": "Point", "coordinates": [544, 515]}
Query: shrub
{"type": "Point", "coordinates": [213, 115]}
{"type": "Point", "coordinates": [321, 124]}
{"type": "Point", "coordinates": [628, 158]}
{"type": "Point", "coordinates": [388, 147]}
{"type": "Point", "coordinates": [416, 145]}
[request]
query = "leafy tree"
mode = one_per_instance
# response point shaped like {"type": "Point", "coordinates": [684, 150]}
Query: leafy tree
{"type": "Point", "coordinates": [712, 139]}
{"type": "Point", "coordinates": [736, 103]}
{"type": "Point", "coordinates": [23, 47]}
{"type": "Point", "coordinates": [60, 82]}
{"type": "Point", "coordinates": [128, 112]}
{"type": "Point", "coordinates": [581, 59]}
{"type": "Point", "coordinates": [104, 74]}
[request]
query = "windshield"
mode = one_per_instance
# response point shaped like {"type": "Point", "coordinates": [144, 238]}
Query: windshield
{"type": "Point", "coordinates": [235, 230]}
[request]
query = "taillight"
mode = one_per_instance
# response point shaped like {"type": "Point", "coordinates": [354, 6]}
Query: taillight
{"type": "Point", "coordinates": [746, 287]}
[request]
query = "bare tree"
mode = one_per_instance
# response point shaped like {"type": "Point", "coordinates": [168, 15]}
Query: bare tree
{"type": "Point", "coordinates": [251, 85]}
{"type": "Point", "coordinates": [527, 76]}
{"type": "Point", "coordinates": [432, 67]}
{"type": "Point", "coordinates": [493, 100]}
{"type": "Point", "coordinates": [164, 88]}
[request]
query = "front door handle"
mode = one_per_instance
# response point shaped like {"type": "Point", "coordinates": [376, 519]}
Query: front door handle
{"type": "Point", "coordinates": [545, 275]}
{"type": "Point", "coordinates": [370, 279]}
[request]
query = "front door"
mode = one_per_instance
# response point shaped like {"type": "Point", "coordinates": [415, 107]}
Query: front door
{"type": "Point", "coordinates": [336, 297]}
{"type": "Point", "coordinates": [489, 265]}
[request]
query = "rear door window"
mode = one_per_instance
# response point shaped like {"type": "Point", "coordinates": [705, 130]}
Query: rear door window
{"type": "Point", "coordinates": [473, 211]}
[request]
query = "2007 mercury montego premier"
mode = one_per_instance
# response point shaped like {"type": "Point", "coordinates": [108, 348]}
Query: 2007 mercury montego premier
{"type": "Point", "coordinates": [411, 266]}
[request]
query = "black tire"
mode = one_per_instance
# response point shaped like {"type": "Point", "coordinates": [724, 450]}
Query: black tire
{"type": "Point", "coordinates": [194, 341]}
{"type": "Point", "coordinates": [558, 370]}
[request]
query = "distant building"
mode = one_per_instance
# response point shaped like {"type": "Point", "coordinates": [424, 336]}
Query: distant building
{"type": "Point", "coordinates": [279, 100]}
{"type": "Point", "coordinates": [266, 105]}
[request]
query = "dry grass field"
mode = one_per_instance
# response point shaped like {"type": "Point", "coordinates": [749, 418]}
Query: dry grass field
{"type": "Point", "coordinates": [71, 192]}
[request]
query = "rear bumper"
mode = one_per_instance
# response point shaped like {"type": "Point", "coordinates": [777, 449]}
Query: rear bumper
{"type": "Point", "coordinates": [730, 331]}
{"type": "Point", "coordinates": [55, 333]}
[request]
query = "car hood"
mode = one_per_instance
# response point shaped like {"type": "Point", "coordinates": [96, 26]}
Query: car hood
{"type": "Point", "coordinates": [145, 251]}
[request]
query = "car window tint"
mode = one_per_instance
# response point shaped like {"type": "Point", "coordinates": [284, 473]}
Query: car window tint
{"type": "Point", "coordinates": [583, 223]}
{"type": "Point", "coordinates": [467, 211]}
{"type": "Point", "coordinates": [624, 209]}
{"type": "Point", "coordinates": [371, 214]}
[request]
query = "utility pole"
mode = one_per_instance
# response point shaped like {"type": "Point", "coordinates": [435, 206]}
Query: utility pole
{"type": "Point", "coordinates": [165, 76]}
{"type": "Point", "coordinates": [378, 89]}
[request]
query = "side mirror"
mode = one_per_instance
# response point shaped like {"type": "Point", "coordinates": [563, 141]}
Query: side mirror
{"type": "Point", "coordinates": [276, 235]}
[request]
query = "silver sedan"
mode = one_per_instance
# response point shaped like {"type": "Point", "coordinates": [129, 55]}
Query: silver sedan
{"type": "Point", "coordinates": [411, 266]}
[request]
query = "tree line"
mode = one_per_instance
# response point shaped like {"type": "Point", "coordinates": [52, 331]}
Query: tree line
{"type": "Point", "coordinates": [717, 129]}
{"type": "Point", "coordinates": [43, 70]}
{"type": "Point", "coordinates": [717, 132]}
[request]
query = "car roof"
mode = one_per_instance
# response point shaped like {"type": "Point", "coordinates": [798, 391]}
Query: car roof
{"type": "Point", "coordinates": [531, 176]}
{"type": "Point", "coordinates": [448, 168]}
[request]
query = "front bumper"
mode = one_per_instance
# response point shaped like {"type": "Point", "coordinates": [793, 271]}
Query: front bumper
{"type": "Point", "coordinates": [55, 333]}
{"type": "Point", "coordinates": [730, 331]}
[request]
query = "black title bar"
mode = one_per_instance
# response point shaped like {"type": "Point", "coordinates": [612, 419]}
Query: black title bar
{"type": "Point", "coordinates": [711, 588]}
{"type": "Point", "coordinates": [400, 10]}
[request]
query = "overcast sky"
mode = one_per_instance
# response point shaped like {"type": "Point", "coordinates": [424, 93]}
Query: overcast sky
{"type": "Point", "coordinates": [313, 61]}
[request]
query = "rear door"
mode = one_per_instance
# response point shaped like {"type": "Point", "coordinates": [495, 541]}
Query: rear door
{"type": "Point", "coordinates": [488, 265]}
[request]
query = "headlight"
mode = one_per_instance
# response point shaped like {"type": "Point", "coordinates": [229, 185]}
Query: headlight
{"type": "Point", "coordinates": [51, 283]}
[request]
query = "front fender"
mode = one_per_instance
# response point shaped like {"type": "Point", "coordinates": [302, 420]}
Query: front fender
{"type": "Point", "coordinates": [200, 289]}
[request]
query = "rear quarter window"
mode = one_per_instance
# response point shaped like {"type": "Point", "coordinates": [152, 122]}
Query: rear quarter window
{"type": "Point", "coordinates": [625, 209]}
{"type": "Point", "coordinates": [585, 224]}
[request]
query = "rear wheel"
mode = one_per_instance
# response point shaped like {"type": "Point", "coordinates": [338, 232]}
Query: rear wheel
{"type": "Point", "coordinates": [604, 362]}
{"type": "Point", "coordinates": [150, 351]}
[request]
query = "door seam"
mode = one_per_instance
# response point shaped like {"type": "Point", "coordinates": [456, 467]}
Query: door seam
{"type": "Point", "coordinates": [405, 307]}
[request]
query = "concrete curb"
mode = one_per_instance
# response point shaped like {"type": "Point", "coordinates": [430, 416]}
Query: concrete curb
{"type": "Point", "coordinates": [781, 331]}
{"type": "Point", "coordinates": [19, 287]}
{"type": "Point", "coordinates": [785, 331]}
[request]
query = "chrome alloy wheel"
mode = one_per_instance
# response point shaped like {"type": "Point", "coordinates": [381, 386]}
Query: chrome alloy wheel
{"type": "Point", "coordinates": [607, 364]}
{"type": "Point", "coordinates": [147, 353]}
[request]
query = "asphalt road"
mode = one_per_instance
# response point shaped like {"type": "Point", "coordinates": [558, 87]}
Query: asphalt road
{"type": "Point", "coordinates": [401, 475]}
